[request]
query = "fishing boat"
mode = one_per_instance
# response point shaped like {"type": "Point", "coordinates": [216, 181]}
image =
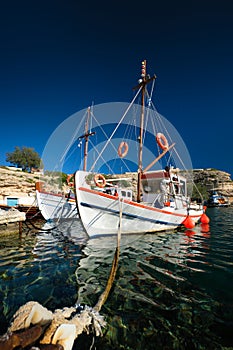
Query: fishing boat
{"type": "Point", "coordinates": [59, 203]}
{"type": "Point", "coordinates": [55, 205]}
{"type": "Point", "coordinates": [138, 180]}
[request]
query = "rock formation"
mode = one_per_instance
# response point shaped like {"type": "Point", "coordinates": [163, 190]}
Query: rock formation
{"type": "Point", "coordinates": [215, 179]}
{"type": "Point", "coordinates": [18, 183]}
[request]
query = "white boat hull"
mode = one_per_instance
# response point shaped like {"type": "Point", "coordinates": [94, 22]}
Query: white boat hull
{"type": "Point", "coordinates": [55, 206]}
{"type": "Point", "coordinates": [99, 213]}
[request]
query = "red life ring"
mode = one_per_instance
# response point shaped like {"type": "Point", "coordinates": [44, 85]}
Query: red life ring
{"type": "Point", "coordinates": [123, 149]}
{"type": "Point", "coordinates": [71, 184]}
{"type": "Point", "coordinates": [98, 178]}
{"type": "Point", "coordinates": [162, 141]}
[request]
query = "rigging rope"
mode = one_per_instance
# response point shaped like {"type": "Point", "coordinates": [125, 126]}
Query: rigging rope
{"type": "Point", "coordinates": [113, 146]}
{"type": "Point", "coordinates": [73, 138]}
{"type": "Point", "coordinates": [114, 131]}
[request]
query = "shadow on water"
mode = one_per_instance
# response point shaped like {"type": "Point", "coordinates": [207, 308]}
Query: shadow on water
{"type": "Point", "coordinates": [172, 290]}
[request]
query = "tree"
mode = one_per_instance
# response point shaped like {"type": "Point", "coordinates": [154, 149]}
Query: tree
{"type": "Point", "coordinates": [24, 157]}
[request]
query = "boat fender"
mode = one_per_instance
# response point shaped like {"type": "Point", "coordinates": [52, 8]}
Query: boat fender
{"type": "Point", "coordinates": [162, 141]}
{"type": "Point", "coordinates": [123, 149]}
{"type": "Point", "coordinates": [100, 180]}
{"type": "Point", "coordinates": [204, 219]}
{"type": "Point", "coordinates": [188, 222]}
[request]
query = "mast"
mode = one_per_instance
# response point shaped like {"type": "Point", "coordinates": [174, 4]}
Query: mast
{"type": "Point", "coordinates": [86, 136]}
{"type": "Point", "coordinates": [145, 79]}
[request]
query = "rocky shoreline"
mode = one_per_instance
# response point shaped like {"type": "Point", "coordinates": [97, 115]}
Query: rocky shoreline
{"type": "Point", "coordinates": [219, 180]}
{"type": "Point", "coordinates": [16, 183]}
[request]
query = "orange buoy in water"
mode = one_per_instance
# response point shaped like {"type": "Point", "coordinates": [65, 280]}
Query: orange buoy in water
{"type": "Point", "coordinates": [188, 222]}
{"type": "Point", "coordinates": [204, 219]}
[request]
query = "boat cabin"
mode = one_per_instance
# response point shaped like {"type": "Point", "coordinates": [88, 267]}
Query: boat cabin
{"type": "Point", "coordinates": [161, 187]}
{"type": "Point", "coordinates": [118, 192]}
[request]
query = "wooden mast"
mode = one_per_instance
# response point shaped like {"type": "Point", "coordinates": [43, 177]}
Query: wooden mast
{"type": "Point", "coordinates": [145, 79]}
{"type": "Point", "coordinates": [86, 137]}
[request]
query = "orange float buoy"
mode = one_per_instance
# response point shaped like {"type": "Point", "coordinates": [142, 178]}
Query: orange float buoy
{"type": "Point", "coordinates": [188, 222]}
{"type": "Point", "coordinates": [204, 219]}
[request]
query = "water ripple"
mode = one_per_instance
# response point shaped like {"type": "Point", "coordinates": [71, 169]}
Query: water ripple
{"type": "Point", "coordinates": [172, 290]}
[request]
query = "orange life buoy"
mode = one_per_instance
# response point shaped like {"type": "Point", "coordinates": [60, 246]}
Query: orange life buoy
{"type": "Point", "coordinates": [161, 141]}
{"type": "Point", "coordinates": [123, 149]}
{"type": "Point", "coordinates": [100, 180]}
{"type": "Point", "coordinates": [69, 183]}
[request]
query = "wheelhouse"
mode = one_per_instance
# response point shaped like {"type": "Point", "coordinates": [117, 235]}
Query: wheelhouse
{"type": "Point", "coordinates": [162, 187]}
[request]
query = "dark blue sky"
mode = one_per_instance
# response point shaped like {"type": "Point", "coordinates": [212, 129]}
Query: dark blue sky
{"type": "Point", "coordinates": [57, 57]}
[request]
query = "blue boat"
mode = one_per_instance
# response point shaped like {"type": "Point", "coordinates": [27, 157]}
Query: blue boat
{"type": "Point", "coordinates": [217, 200]}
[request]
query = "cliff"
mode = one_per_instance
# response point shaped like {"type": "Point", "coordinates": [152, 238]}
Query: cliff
{"type": "Point", "coordinates": [20, 184]}
{"type": "Point", "coordinates": [210, 179]}
{"type": "Point", "coordinates": [16, 183]}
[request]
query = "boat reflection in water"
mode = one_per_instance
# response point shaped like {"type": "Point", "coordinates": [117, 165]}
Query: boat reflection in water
{"type": "Point", "coordinates": [170, 288]}
{"type": "Point", "coordinates": [158, 286]}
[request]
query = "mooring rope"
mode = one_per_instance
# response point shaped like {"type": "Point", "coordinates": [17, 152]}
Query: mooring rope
{"type": "Point", "coordinates": [103, 297]}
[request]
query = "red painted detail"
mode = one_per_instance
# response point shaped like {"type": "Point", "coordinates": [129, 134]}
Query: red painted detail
{"type": "Point", "coordinates": [154, 175]}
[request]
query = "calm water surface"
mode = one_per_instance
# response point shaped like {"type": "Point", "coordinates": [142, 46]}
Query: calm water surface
{"type": "Point", "coordinates": [172, 290]}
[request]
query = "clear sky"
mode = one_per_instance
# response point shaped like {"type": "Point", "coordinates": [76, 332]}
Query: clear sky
{"type": "Point", "coordinates": [57, 57]}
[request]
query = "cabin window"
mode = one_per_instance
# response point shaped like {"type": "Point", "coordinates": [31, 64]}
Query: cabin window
{"type": "Point", "coordinates": [151, 186]}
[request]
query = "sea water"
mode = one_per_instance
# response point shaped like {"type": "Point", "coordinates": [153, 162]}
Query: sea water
{"type": "Point", "coordinates": [173, 290]}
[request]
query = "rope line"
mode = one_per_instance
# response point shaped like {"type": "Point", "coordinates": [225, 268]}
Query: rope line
{"type": "Point", "coordinates": [114, 131]}
{"type": "Point", "coordinates": [103, 297]}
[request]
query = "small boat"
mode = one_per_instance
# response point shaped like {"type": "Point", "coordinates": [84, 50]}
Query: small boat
{"type": "Point", "coordinates": [55, 206]}
{"type": "Point", "coordinates": [217, 200]}
{"type": "Point", "coordinates": [138, 181]}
